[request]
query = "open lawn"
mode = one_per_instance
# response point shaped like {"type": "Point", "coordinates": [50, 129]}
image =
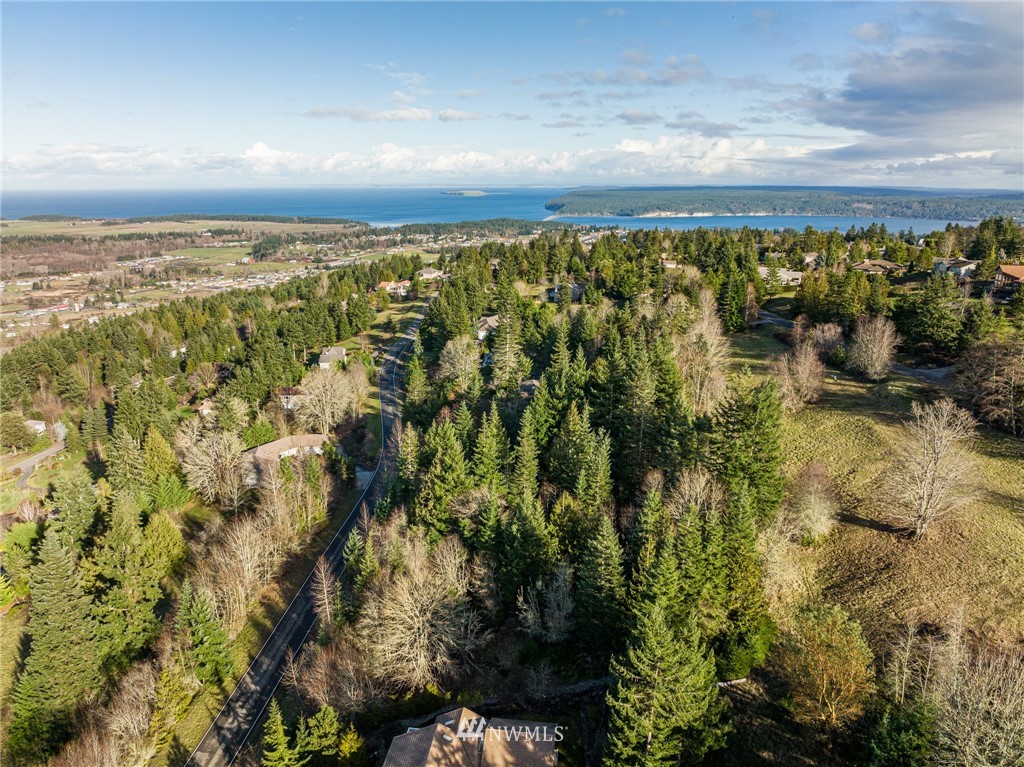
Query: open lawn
{"type": "Point", "coordinates": [972, 562]}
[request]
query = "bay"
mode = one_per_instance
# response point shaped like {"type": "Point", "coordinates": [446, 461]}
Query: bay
{"type": "Point", "coordinates": [381, 206]}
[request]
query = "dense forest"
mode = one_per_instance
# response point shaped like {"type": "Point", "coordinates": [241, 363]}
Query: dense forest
{"type": "Point", "coordinates": [787, 201]}
{"type": "Point", "coordinates": [581, 500]}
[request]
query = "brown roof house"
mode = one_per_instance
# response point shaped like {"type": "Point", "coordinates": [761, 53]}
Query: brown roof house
{"type": "Point", "coordinates": [1010, 274]}
{"type": "Point", "coordinates": [463, 738]}
{"type": "Point", "coordinates": [257, 458]}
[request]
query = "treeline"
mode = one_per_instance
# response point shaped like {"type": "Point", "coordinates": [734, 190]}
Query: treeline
{"type": "Point", "coordinates": [785, 201]}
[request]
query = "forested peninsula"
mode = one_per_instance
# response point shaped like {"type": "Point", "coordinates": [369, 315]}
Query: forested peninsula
{"type": "Point", "coordinates": [786, 201]}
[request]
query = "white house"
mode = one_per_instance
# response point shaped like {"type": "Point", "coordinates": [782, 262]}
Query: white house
{"type": "Point", "coordinates": [331, 355]}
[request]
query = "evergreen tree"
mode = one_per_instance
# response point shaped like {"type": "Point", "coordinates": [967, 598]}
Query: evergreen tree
{"type": "Point", "coordinates": [63, 663]}
{"type": "Point", "coordinates": [446, 478]}
{"type": "Point", "coordinates": [202, 637]}
{"type": "Point", "coordinates": [490, 458]}
{"type": "Point", "coordinates": [523, 485]}
{"type": "Point", "coordinates": [601, 591]}
{"type": "Point", "coordinates": [73, 506]}
{"type": "Point", "coordinates": [507, 347]}
{"type": "Point", "coordinates": [744, 642]}
{"type": "Point", "coordinates": [125, 463]}
{"type": "Point", "coordinates": [277, 748]}
{"type": "Point", "coordinates": [745, 445]}
{"type": "Point", "coordinates": [664, 684]}
{"type": "Point", "coordinates": [128, 585]}
{"type": "Point", "coordinates": [527, 551]}
{"type": "Point", "coordinates": [408, 462]}
{"type": "Point", "coordinates": [158, 457]}
{"type": "Point", "coordinates": [319, 737]}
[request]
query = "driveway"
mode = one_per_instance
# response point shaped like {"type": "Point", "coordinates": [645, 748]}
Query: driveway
{"type": "Point", "coordinates": [27, 465]}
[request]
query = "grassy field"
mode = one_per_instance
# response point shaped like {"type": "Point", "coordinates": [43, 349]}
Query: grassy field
{"type": "Point", "coordinates": [973, 562]}
{"type": "Point", "coordinates": [971, 565]}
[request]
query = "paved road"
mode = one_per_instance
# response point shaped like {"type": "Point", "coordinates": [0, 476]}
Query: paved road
{"type": "Point", "coordinates": [28, 465]}
{"type": "Point", "coordinates": [244, 707]}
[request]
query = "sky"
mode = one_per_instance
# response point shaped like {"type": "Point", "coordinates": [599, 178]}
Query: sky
{"type": "Point", "coordinates": [208, 95]}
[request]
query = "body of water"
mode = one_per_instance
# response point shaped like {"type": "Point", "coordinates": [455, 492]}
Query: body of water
{"type": "Point", "coordinates": [392, 207]}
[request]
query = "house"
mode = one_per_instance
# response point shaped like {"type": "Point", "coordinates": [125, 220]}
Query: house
{"type": "Point", "coordinates": [289, 396]}
{"type": "Point", "coordinates": [256, 459]}
{"type": "Point", "coordinates": [393, 288]}
{"type": "Point", "coordinates": [485, 326]}
{"type": "Point", "coordinates": [879, 266]}
{"type": "Point", "coordinates": [205, 408]}
{"type": "Point", "coordinates": [36, 427]}
{"type": "Point", "coordinates": [810, 259]}
{"type": "Point", "coordinates": [576, 288]}
{"type": "Point", "coordinates": [429, 274]}
{"type": "Point", "coordinates": [463, 738]}
{"type": "Point", "coordinates": [1009, 275]}
{"type": "Point", "coordinates": [960, 268]}
{"type": "Point", "coordinates": [329, 355]}
{"type": "Point", "coordinates": [667, 264]}
{"type": "Point", "coordinates": [179, 352]}
{"type": "Point", "coordinates": [786, 276]}
{"type": "Point", "coordinates": [529, 387]}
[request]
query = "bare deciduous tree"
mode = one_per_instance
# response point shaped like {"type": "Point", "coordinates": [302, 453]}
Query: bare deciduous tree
{"type": "Point", "coordinates": [874, 344]}
{"type": "Point", "coordinates": [799, 372]}
{"type": "Point", "coordinates": [419, 628]}
{"type": "Point", "coordinates": [702, 352]}
{"type": "Point", "coordinates": [331, 396]}
{"type": "Point", "coordinates": [215, 469]}
{"type": "Point", "coordinates": [813, 502]}
{"type": "Point", "coordinates": [325, 592]}
{"type": "Point", "coordinates": [991, 376]}
{"type": "Point", "coordinates": [460, 362]}
{"type": "Point", "coordinates": [827, 338]}
{"type": "Point", "coordinates": [931, 475]}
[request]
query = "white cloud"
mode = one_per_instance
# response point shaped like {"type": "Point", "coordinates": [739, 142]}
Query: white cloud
{"type": "Point", "coordinates": [363, 115]}
{"type": "Point", "coordinates": [401, 97]}
{"type": "Point", "coordinates": [456, 115]}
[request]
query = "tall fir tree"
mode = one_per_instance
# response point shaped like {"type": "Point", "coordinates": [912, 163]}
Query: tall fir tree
{"type": "Point", "coordinates": [507, 346]}
{"type": "Point", "coordinates": [664, 685]}
{"type": "Point", "coordinates": [601, 591]}
{"type": "Point", "coordinates": [127, 585]}
{"type": "Point", "coordinates": [63, 663]}
{"type": "Point", "coordinates": [202, 637]}
{"type": "Point", "coordinates": [277, 748]}
{"type": "Point", "coordinates": [446, 478]}
{"type": "Point", "coordinates": [158, 457]}
{"type": "Point", "coordinates": [745, 447]}
{"type": "Point", "coordinates": [490, 457]}
{"type": "Point", "coordinates": [73, 507]}
{"type": "Point", "coordinates": [125, 462]}
{"type": "Point", "coordinates": [744, 641]}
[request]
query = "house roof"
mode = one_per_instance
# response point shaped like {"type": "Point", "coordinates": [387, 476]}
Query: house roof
{"type": "Point", "coordinates": [289, 391]}
{"type": "Point", "coordinates": [271, 451]}
{"type": "Point", "coordinates": [486, 324]}
{"type": "Point", "coordinates": [333, 354]}
{"type": "Point", "coordinates": [1016, 271]}
{"type": "Point", "coordinates": [500, 743]}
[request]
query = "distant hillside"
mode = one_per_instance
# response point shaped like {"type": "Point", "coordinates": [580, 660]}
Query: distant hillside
{"type": "Point", "coordinates": [787, 201]}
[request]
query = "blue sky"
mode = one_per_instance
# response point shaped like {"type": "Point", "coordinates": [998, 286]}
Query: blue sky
{"type": "Point", "coordinates": [126, 95]}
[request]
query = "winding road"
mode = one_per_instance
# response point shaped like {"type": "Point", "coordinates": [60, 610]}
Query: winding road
{"type": "Point", "coordinates": [244, 707]}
